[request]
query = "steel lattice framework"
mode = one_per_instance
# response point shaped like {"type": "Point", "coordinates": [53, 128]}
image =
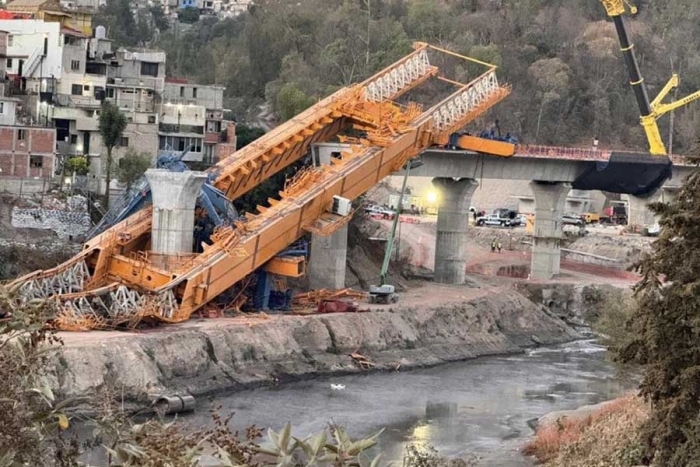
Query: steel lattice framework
{"type": "Point", "coordinates": [398, 79]}
{"type": "Point", "coordinates": [113, 281]}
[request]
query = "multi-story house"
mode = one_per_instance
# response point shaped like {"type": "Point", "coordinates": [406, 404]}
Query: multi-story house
{"type": "Point", "coordinates": [199, 109]}
{"type": "Point", "coordinates": [53, 12]}
{"type": "Point", "coordinates": [62, 76]}
{"type": "Point", "coordinates": [25, 150]}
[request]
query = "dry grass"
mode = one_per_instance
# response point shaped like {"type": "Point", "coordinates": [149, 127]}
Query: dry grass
{"type": "Point", "coordinates": [609, 436]}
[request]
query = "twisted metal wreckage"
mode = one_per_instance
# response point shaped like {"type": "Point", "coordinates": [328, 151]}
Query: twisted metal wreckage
{"type": "Point", "coordinates": [113, 280]}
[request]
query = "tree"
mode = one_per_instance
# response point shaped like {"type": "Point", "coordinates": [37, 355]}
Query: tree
{"type": "Point", "coordinates": [112, 125]}
{"type": "Point", "coordinates": [247, 134]}
{"type": "Point", "coordinates": [667, 326]}
{"type": "Point", "coordinates": [117, 17]}
{"type": "Point", "coordinates": [188, 15]}
{"type": "Point", "coordinates": [144, 32]}
{"type": "Point", "coordinates": [291, 101]}
{"type": "Point", "coordinates": [158, 17]}
{"type": "Point", "coordinates": [131, 167]}
{"type": "Point", "coordinates": [77, 165]}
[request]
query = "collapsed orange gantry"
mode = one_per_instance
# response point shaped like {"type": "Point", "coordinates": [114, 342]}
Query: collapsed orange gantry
{"type": "Point", "coordinates": [112, 281]}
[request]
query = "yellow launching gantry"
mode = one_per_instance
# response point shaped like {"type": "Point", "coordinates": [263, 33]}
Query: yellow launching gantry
{"type": "Point", "coordinates": [650, 111]}
{"type": "Point", "coordinates": [117, 279]}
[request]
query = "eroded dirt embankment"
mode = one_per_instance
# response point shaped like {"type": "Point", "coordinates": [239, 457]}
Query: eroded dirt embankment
{"type": "Point", "coordinates": [207, 356]}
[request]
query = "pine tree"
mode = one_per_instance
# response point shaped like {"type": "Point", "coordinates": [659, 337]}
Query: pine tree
{"type": "Point", "coordinates": [667, 324]}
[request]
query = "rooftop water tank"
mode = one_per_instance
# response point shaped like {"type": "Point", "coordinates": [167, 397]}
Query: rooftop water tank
{"type": "Point", "coordinates": [100, 32]}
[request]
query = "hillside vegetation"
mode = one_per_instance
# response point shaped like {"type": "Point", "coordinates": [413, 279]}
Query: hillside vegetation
{"type": "Point", "coordinates": [561, 56]}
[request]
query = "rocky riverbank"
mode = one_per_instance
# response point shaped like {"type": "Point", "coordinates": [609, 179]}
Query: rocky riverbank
{"type": "Point", "coordinates": [203, 357]}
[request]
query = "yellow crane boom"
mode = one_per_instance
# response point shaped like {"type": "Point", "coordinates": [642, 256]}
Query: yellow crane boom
{"type": "Point", "coordinates": [650, 111]}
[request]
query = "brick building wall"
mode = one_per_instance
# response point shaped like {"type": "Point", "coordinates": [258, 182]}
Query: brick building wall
{"type": "Point", "coordinates": [27, 151]}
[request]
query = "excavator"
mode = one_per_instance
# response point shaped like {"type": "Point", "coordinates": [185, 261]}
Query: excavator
{"type": "Point", "coordinates": [116, 280]}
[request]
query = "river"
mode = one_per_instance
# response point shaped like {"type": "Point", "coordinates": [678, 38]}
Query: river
{"type": "Point", "coordinates": [478, 408]}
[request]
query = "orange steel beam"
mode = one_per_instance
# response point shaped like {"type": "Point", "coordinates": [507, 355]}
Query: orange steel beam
{"type": "Point", "coordinates": [393, 134]}
{"type": "Point", "coordinates": [282, 224]}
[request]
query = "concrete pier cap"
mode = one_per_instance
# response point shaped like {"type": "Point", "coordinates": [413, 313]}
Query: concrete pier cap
{"type": "Point", "coordinates": [174, 198]}
{"type": "Point", "coordinates": [452, 223]}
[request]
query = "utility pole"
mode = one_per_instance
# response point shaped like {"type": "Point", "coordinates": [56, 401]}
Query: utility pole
{"type": "Point", "coordinates": [672, 117]}
{"type": "Point", "coordinates": [369, 22]}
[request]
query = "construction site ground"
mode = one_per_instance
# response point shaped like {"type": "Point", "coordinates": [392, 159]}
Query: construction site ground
{"type": "Point", "coordinates": [417, 257]}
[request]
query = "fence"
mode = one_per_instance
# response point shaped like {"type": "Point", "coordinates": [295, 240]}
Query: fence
{"type": "Point", "coordinates": [26, 187]}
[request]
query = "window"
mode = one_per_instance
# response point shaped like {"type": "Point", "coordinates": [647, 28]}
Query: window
{"type": "Point", "coordinates": [73, 139]}
{"type": "Point", "coordinates": [151, 119]}
{"type": "Point", "coordinates": [10, 40]}
{"type": "Point", "coordinates": [36, 161]}
{"type": "Point", "coordinates": [9, 63]}
{"type": "Point", "coordinates": [110, 93]}
{"type": "Point", "coordinates": [70, 40]}
{"type": "Point", "coordinates": [2, 108]}
{"type": "Point", "coordinates": [75, 65]}
{"type": "Point", "coordinates": [194, 93]}
{"type": "Point", "coordinates": [149, 69]}
{"type": "Point", "coordinates": [86, 87]}
{"type": "Point", "coordinates": [123, 142]}
{"type": "Point", "coordinates": [182, 91]}
{"type": "Point", "coordinates": [21, 135]}
{"type": "Point", "coordinates": [76, 90]}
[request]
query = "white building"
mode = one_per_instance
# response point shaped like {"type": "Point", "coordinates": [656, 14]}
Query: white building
{"type": "Point", "coordinates": [8, 110]}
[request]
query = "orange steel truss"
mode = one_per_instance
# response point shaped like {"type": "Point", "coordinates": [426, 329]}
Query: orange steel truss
{"type": "Point", "coordinates": [113, 281]}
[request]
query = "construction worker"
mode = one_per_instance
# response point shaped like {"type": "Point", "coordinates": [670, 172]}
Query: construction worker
{"type": "Point", "coordinates": [499, 247]}
{"type": "Point", "coordinates": [493, 245]}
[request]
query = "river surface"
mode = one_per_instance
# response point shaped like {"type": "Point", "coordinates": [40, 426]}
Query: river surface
{"type": "Point", "coordinates": [474, 408]}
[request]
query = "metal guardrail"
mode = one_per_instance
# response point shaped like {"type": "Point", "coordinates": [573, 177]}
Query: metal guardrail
{"type": "Point", "coordinates": [562, 152]}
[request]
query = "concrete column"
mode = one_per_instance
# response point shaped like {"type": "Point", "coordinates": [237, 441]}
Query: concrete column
{"type": "Point", "coordinates": [638, 212]}
{"type": "Point", "coordinates": [327, 260]}
{"type": "Point", "coordinates": [452, 223]}
{"type": "Point", "coordinates": [550, 201]}
{"type": "Point", "coordinates": [174, 197]}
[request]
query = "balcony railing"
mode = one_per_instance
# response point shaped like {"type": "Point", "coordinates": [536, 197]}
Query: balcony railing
{"type": "Point", "coordinates": [68, 100]}
{"type": "Point", "coordinates": [171, 128]}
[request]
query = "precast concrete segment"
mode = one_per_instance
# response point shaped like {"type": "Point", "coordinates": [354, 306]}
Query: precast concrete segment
{"type": "Point", "coordinates": [452, 224]}
{"type": "Point", "coordinates": [174, 198]}
{"type": "Point", "coordinates": [550, 200]}
{"type": "Point", "coordinates": [327, 261]}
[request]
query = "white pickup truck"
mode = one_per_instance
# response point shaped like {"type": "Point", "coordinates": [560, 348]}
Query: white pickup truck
{"type": "Point", "coordinates": [495, 219]}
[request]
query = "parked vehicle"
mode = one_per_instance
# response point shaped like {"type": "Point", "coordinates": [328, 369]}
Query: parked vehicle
{"type": "Point", "coordinates": [591, 217]}
{"type": "Point", "coordinates": [505, 213]}
{"type": "Point", "coordinates": [379, 211]}
{"type": "Point", "coordinates": [495, 219]}
{"type": "Point", "coordinates": [652, 230]}
{"type": "Point", "coordinates": [571, 219]}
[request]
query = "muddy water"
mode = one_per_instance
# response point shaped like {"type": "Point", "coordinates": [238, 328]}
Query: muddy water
{"type": "Point", "coordinates": [478, 407]}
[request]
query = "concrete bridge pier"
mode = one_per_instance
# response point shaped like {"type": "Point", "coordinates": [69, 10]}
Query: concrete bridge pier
{"type": "Point", "coordinates": [452, 224]}
{"type": "Point", "coordinates": [327, 260]}
{"type": "Point", "coordinates": [639, 213]}
{"type": "Point", "coordinates": [550, 201]}
{"type": "Point", "coordinates": [174, 198]}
